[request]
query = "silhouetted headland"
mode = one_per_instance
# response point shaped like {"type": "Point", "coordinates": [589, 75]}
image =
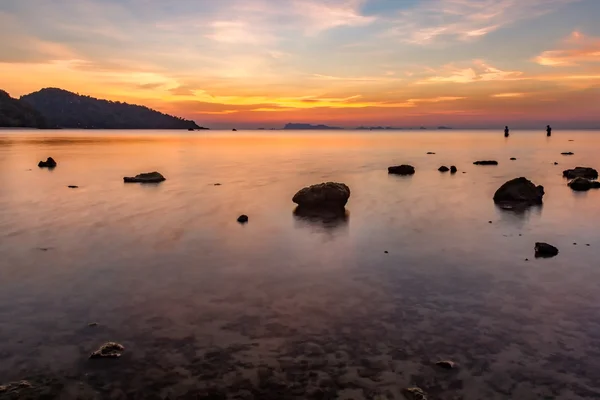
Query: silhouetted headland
{"type": "Point", "coordinates": [63, 109]}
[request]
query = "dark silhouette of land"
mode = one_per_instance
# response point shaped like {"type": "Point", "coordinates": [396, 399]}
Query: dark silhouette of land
{"type": "Point", "coordinates": [17, 114]}
{"type": "Point", "coordinates": [292, 126]}
{"type": "Point", "coordinates": [63, 109]}
{"type": "Point", "coordinates": [506, 131]}
{"type": "Point", "coordinates": [548, 130]}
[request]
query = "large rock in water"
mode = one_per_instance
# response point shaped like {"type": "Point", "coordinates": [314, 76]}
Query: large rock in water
{"type": "Point", "coordinates": [49, 163]}
{"type": "Point", "coordinates": [519, 191]}
{"type": "Point", "coordinates": [583, 184]}
{"type": "Point", "coordinates": [486, 162]}
{"type": "Point", "coordinates": [148, 177]}
{"type": "Point", "coordinates": [402, 170]}
{"type": "Point", "coordinates": [329, 195]}
{"type": "Point", "coordinates": [581, 172]}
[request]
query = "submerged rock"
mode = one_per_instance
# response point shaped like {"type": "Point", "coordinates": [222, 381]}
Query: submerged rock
{"type": "Point", "coordinates": [430, 153]}
{"type": "Point", "coordinates": [555, 163]}
{"type": "Point", "coordinates": [148, 177]}
{"type": "Point", "coordinates": [453, 169]}
{"type": "Point", "coordinates": [329, 195]}
{"type": "Point", "coordinates": [486, 162]}
{"type": "Point", "coordinates": [402, 170]}
{"type": "Point", "coordinates": [446, 364]}
{"type": "Point", "coordinates": [73, 186]}
{"type": "Point", "coordinates": [580, 172]}
{"type": "Point", "coordinates": [513, 159]}
{"type": "Point", "coordinates": [49, 163]}
{"type": "Point", "coordinates": [583, 184]}
{"type": "Point", "coordinates": [108, 350]}
{"type": "Point", "coordinates": [567, 153]}
{"type": "Point", "coordinates": [414, 393]}
{"type": "Point", "coordinates": [545, 250]}
{"type": "Point", "coordinates": [242, 219]}
{"type": "Point", "coordinates": [443, 168]}
{"type": "Point", "coordinates": [519, 191]}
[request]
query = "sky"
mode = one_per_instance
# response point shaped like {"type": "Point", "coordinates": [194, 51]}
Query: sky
{"type": "Point", "coordinates": [263, 63]}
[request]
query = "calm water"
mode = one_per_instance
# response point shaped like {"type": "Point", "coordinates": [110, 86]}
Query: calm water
{"type": "Point", "coordinates": [289, 308]}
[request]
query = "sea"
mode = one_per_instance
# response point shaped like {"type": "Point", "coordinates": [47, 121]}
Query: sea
{"type": "Point", "coordinates": [420, 269]}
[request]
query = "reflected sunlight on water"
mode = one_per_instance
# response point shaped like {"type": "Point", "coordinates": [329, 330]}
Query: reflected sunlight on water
{"type": "Point", "coordinates": [289, 305]}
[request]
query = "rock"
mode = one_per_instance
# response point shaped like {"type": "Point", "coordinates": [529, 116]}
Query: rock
{"type": "Point", "coordinates": [93, 324]}
{"type": "Point", "coordinates": [519, 191]}
{"type": "Point", "coordinates": [72, 186]}
{"type": "Point", "coordinates": [414, 393]}
{"type": "Point", "coordinates": [513, 159]}
{"type": "Point", "coordinates": [402, 170]}
{"type": "Point", "coordinates": [545, 250]}
{"type": "Point", "coordinates": [14, 387]}
{"type": "Point", "coordinates": [217, 184]}
{"type": "Point", "coordinates": [486, 162]}
{"type": "Point", "coordinates": [49, 163]}
{"type": "Point", "coordinates": [555, 163]}
{"type": "Point", "coordinates": [329, 195]}
{"type": "Point", "coordinates": [386, 252]}
{"type": "Point", "coordinates": [446, 364]}
{"type": "Point", "coordinates": [242, 219]}
{"type": "Point", "coordinates": [453, 169]}
{"type": "Point", "coordinates": [148, 177]}
{"type": "Point", "coordinates": [583, 184]}
{"type": "Point", "coordinates": [567, 153]}
{"type": "Point", "coordinates": [108, 350]}
{"type": "Point", "coordinates": [581, 172]}
{"type": "Point", "coordinates": [430, 153]}
{"type": "Point", "coordinates": [443, 168]}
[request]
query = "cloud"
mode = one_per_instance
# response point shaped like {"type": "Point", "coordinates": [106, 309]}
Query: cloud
{"type": "Point", "coordinates": [437, 20]}
{"type": "Point", "coordinates": [478, 72]}
{"type": "Point", "coordinates": [322, 15]}
{"type": "Point", "coordinates": [238, 32]}
{"type": "Point", "coordinates": [508, 95]}
{"type": "Point", "coordinates": [578, 49]}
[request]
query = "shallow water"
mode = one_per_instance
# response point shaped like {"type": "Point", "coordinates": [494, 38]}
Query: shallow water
{"type": "Point", "coordinates": [286, 307]}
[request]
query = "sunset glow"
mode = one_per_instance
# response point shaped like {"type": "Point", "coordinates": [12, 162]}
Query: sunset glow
{"type": "Point", "coordinates": [263, 63]}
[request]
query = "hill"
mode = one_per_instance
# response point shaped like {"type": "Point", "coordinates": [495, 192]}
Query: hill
{"type": "Point", "coordinates": [17, 114]}
{"type": "Point", "coordinates": [63, 109]}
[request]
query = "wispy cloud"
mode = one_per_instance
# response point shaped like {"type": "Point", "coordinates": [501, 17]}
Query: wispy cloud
{"type": "Point", "coordinates": [578, 49]}
{"type": "Point", "coordinates": [434, 20]}
{"type": "Point", "coordinates": [508, 95]}
{"type": "Point", "coordinates": [480, 71]}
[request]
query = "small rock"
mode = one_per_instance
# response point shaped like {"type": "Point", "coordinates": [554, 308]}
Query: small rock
{"type": "Point", "coordinates": [402, 170]}
{"type": "Point", "coordinates": [108, 350]}
{"type": "Point", "coordinates": [49, 163]}
{"type": "Point", "coordinates": [567, 153]}
{"type": "Point", "coordinates": [555, 163]}
{"type": "Point", "coordinates": [513, 159]}
{"type": "Point", "coordinates": [430, 152]}
{"type": "Point", "coordinates": [148, 177]}
{"type": "Point", "coordinates": [386, 252]}
{"type": "Point", "coordinates": [587, 244]}
{"type": "Point", "coordinates": [583, 184]}
{"type": "Point", "coordinates": [93, 324]}
{"type": "Point", "coordinates": [415, 393]}
{"type": "Point", "coordinates": [443, 168]}
{"type": "Point", "coordinates": [486, 162]}
{"type": "Point", "coordinates": [453, 169]}
{"type": "Point", "coordinates": [581, 172]}
{"type": "Point", "coordinates": [14, 387]}
{"type": "Point", "coordinates": [217, 184]}
{"type": "Point", "coordinates": [242, 219]}
{"type": "Point", "coordinates": [545, 250]}
{"type": "Point", "coordinates": [72, 186]}
{"type": "Point", "coordinates": [489, 222]}
{"type": "Point", "coordinates": [574, 244]}
{"type": "Point", "coordinates": [527, 259]}
{"type": "Point", "coordinates": [446, 364]}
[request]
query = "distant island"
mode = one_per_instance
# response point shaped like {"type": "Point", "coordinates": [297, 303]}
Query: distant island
{"type": "Point", "coordinates": [375, 128]}
{"type": "Point", "coordinates": [62, 109]}
{"type": "Point", "coordinates": [444, 127]}
{"type": "Point", "coordinates": [17, 114]}
{"type": "Point", "coordinates": [292, 126]}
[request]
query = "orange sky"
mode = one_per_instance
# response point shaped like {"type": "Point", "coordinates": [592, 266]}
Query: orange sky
{"type": "Point", "coordinates": [259, 63]}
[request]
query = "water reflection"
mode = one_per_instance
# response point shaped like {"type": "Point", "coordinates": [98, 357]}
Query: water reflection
{"type": "Point", "coordinates": [321, 219]}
